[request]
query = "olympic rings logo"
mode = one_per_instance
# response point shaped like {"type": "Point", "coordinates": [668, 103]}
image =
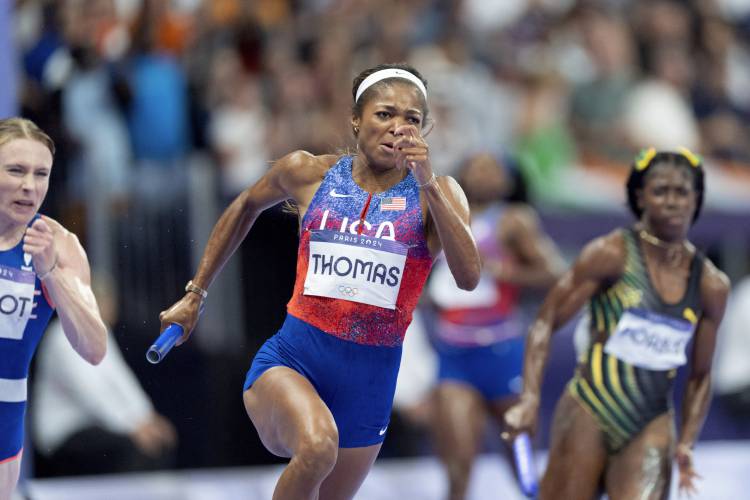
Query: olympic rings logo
{"type": "Point", "coordinates": [348, 290]}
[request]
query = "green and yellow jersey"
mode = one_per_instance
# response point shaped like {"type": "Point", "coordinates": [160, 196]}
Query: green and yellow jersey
{"type": "Point", "coordinates": [638, 341]}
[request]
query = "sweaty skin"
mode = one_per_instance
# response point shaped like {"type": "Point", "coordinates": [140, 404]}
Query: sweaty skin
{"type": "Point", "coordinates": [289, 415]}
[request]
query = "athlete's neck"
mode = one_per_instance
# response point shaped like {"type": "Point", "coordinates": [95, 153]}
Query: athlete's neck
{"type": "Point", "coordinates": [375, 180]}
{"type": "Point", "coordinates": [671, 252]}
{"type": "Point", "coordinates": [663, 239]}
{"type": "Point", "coordinates": [10, 235]}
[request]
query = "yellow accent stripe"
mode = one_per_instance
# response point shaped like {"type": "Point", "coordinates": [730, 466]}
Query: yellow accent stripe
{"type": "Point", "coordinates": [601, 411]}
{"type": "Point", "coordinates": [596, 371]}
{"type": "Point", "coordinates": [633, 385]}
{"type": "Point", "coordinates": [615, 440]}
{"type": "Point", "coordinates": [612, 315]}
{"type": "Point", "coordinates": [614, 378]}
{"type": "Point", "coordinates": [596, 310]}
{"type": "Point", "coordinates": [616, 296]}
{"type": "Point", "coordinates": [689, 315]}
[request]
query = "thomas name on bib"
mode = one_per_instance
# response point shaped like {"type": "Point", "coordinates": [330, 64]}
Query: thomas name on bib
{"type": "Point", "coordinates": [355, 267]}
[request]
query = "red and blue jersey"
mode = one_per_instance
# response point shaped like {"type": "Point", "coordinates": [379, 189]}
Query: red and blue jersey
{"type": "Point", "coordinates": [487, 314]}
{"type": "Point", "coordinates": [363, 259]}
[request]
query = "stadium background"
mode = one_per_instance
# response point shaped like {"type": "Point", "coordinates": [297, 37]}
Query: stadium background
{"type": "Point", "coordinates": [162, 111]}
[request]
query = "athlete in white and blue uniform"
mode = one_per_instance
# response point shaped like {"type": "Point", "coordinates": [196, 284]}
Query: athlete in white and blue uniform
{"type": "Point", "coordinates": [25, 311]}
{"type": "Point", "coordinates": [42, 267]}
{"type": "Point", "coordinates": [320, 391]}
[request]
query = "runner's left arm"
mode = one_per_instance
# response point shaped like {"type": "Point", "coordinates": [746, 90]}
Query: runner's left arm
{"type": "Point", "coordinates": [64, 269]}
{"type": "Point", "coordinates": [714, 293]}
{"type": "Point", "coordinates": [537, 262]}
{"type": "Point", "coordinates": [448, 209]}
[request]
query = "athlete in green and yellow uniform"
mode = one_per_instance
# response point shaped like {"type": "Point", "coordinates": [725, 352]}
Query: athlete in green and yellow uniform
{"type": "Point", "coordinates": [649, 293]}
{"type": "Point", "coordinates": [625, 377]}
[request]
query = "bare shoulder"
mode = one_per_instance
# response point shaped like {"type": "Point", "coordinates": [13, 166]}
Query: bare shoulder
{"type": "Point", "coordinates": [715, 286]}
{"type": "Point", "coordinates": [453, 192]}
{"type": "Point", "coordinates": [451, 187]}
{"type": "Point", "coordinates": [604, 256]}
{"type": "Point", "coordinates": [299, 174]}
{"type": "Point", "coordinates": [448, 182]}
{"type": "Point", "coordinates": [302, 167]}
{"type": "Point", "coordinates": [609, 246]}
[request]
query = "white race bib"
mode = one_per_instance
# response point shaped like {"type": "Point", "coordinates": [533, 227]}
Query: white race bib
{"type": "Point", "coordinates": [445, 292]}
{"type": "Point", "coordinates": [650, 340]}
{"type": "Point", "coordinates": [16, 301]}
{"type": "Point", "coordinates": [355, 267]}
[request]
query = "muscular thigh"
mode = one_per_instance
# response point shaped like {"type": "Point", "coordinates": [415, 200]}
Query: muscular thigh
{"type": "Point", "coordinates": [577, 455]}
{"type": "Point", "coordinates": [285, 407]}
{"type": "Point", "coordinates": [353, 382]}
{"type": "Point", "coordinates": [460, 417]}
{"type": "Point", "coordinates": [643, 469]}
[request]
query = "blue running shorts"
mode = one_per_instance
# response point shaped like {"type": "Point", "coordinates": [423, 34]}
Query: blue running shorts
{"type": "Point", "coordinates": [355, 381]}
{"type": "Point", "coordinates": [11, 429]}
{"type": "Point", "coordinates": [494, 370]}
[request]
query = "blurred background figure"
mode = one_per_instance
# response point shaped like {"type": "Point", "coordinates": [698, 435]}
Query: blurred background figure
{"type": "Point", "coordinates": [733, 373]}
{"type": "Point", "coordinates": [478, 336]}
{"type": "Point", "coordinates": [8, 68]}
{"type": "Point", "coordinates": [94, 420]}
{"type": "Point", "coordinates": [238, 131]}
{"type": "Point", "coordinates": [617, 416]}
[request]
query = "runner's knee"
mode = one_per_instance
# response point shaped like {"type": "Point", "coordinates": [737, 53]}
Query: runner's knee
{"type": "Point", "coordinates": [317, 451]}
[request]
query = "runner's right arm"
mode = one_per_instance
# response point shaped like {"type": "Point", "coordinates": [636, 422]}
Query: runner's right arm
{"type": "Point", "coordinates": [600, 260]}
{"type": "Point", "coordinates": [295, 176]}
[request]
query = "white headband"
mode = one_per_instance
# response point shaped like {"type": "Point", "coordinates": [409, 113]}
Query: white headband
{"type": "Point", "coordinates": [389, 73]}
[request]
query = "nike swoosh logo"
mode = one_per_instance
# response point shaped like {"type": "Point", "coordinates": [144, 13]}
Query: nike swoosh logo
{"type": "Point", "coordinates": [382, 431]}
{"type": "Point", "coordinates": [334, 194]}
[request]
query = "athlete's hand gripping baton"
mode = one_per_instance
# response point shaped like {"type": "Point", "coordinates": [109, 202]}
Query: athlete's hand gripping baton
{"type": "Point", "coordinates": [525, 467]}
{"type": "Point", "coordinates": [158, 351]}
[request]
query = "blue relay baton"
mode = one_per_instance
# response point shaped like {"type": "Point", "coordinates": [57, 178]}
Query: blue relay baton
{"type": "Point", "coordinates": [525, 467]}
{"type": "Point", "coordinates": [158, 351]}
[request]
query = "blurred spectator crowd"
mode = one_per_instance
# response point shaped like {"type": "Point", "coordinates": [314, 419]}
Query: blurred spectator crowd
{"type": "Point", "coordinates": [134, 86]}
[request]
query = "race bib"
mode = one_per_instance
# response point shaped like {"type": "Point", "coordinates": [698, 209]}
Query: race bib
{"type": "Point", "coordinates": [650, 340]}
{"type": "Point", "coordinates": [355, 268]}
{"type": "Point", "coordinates": [16, 301]}
{"type": "Point", "coordinates": [445, 292]}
